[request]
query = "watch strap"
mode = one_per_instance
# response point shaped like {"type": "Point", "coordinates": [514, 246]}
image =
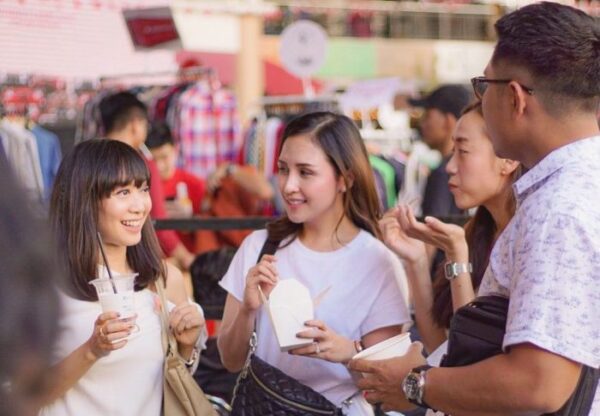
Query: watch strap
{"type": "Point", "coordinates": [452, 269]}
{"type": "Point", "coordinates": [421, 370]}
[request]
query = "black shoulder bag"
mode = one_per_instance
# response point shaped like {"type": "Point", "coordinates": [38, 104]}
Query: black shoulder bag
{"type": "Point", "coordinates": [263, 390]}
{"type": "Point", "coordinates": [477, 332]}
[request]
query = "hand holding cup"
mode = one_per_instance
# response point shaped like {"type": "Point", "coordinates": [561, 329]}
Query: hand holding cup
{"type": "Point", "coordinates": [110, 333]}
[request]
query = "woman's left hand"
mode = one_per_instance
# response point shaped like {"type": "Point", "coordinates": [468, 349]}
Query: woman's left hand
{"type": "Point", "coordinates": [327, 344]}
{"type": "Point", "coordinates": [186, 322]}
{"type": "Point", "coordinates": [449, 238]}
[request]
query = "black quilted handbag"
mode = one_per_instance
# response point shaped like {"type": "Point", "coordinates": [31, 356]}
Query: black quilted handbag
{"type": "Point", "coordinates": [264, 390]}
{"type": "Point", "coordinates": [477, 332]}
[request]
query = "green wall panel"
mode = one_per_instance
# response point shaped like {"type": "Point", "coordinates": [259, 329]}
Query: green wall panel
{"type": "Point", "coordinates": [349, 58]}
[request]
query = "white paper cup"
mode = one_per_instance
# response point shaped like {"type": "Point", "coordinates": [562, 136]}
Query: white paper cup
{"type": "Point", "coordinates": [390, 348]}
{"type": "Point", "coordinates": [123, 300]}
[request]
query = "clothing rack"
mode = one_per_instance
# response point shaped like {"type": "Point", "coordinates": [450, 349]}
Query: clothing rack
{"type": "Point", "coordinates": [291, 105]}
{"type": "Point", "coordinates": [203, 70]}
{"type": "Point", "coordinates": [296, 99]}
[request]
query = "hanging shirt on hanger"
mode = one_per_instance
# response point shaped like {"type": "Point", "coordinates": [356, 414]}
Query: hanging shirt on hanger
{"type": "Point", "coordinates": [207, 128]}
{"type": "Point", "coordinates": [3, 158]}
{"type": "Point", "coordinates": [22, 154]}
{"type": "Point", "coordinates": [49, 155]}
{"type": "Point", "coordinates": [389, 178]}
{"type": "Point", "coordinates": [2, 151]}
{"type": "Point", "coordinates": [160, 106]}
{"type": "Point", "coordinates": [271, 131]}
{"type": "Point", "coordinates": [89, 124]}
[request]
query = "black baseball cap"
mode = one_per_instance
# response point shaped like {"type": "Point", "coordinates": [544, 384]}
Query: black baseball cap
{"type": "Point", "coordinates": [451, 98]}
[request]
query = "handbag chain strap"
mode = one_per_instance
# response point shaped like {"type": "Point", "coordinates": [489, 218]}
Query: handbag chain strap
{"type": "Point", "coordinates": [269, 247]}
{"type": "Point", "coordinates": [253, 344]}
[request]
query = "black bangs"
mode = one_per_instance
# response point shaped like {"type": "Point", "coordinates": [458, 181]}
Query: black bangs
{"type": "Point", "coordinates": [119, 164]}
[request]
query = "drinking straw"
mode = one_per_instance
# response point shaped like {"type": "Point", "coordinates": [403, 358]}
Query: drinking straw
{"type": "Point", "coordinates": [106, 263]}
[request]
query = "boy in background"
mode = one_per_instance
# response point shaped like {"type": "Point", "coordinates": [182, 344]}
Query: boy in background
{"type": "Point", "coordinates": [230, 191]}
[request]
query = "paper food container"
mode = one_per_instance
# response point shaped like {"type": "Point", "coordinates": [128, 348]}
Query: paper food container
{"type": "Point", "coordinates": [390, 348]}
{"type": "Point", "coordinates": [289, 306]}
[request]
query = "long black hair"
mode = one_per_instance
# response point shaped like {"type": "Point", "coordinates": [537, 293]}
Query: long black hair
{"type": "Point", "coordinates": [86, 176]}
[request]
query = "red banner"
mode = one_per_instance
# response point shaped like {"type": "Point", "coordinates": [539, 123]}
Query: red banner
{"type": "Point", "coordinates": [152, 32]}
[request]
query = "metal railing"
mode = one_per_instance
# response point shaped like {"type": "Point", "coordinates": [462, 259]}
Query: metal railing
{"type": "Point", "coordinates": [388, 19]}
{"type": "Point", "coordinates": [242, 223]}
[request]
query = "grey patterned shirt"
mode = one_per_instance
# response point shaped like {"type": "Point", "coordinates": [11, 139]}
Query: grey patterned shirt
{"type": "Point", "coordinates": [547, 260]}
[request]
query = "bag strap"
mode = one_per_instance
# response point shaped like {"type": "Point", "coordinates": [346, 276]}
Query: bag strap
{"type": "Point", "coordinates": [168, 339]}
{"type": "Point", "coordinates": [582, 399]}
{"type": "Point", "coordinates": [269, 247]}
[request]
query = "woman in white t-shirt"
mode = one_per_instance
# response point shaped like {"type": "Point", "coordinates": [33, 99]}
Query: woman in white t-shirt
{"type": "Point", "coordinates": [104, 364]}
{"type": "Point", "coordinates": [330, 242]}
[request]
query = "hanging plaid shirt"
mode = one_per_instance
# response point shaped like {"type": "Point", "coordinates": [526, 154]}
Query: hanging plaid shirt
{"type": "Point", "coordinates": [207, 128]}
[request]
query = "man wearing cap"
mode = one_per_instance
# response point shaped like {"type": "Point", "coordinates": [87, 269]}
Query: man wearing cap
{"type": "Point", "coordinates": [442, 109]}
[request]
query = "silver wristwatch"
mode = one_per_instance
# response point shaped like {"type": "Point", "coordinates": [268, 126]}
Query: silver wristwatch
{"type": "Point", "coordinates": [452, 269]}
{"type": "Point", "coordinates": [414, 385]}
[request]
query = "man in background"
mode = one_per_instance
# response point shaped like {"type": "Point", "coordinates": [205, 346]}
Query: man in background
{"type": "Point", "coordinates": [443, 107]}
{"type": "Point", "coordinates": [230, 191]}
{"type": "Point", "coordinates": [183, 191]}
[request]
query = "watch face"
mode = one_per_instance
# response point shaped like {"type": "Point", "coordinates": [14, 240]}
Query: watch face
{"type": "Point", "coordinates": [449, 269]}
{"type": "Point", "coordinates": [411, 386]}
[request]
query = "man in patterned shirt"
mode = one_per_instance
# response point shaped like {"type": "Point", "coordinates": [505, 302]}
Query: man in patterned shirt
{"type": "Point", "coordinates": [540, 94]}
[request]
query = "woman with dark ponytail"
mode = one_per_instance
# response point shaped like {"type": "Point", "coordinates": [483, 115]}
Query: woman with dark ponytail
{"type": "Point", "coordinates": [478, 179]}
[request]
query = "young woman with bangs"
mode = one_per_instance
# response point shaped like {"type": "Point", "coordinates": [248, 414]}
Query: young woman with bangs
{"type": "Point", "coordinates": [329, 241]}
{"type": "Point", "coordinates": [102, 366]}
{"type": "Point", "coordinates": [478, 179]}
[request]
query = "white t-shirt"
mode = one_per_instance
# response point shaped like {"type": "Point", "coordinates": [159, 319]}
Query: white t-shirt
{"type": "Point", "coordinates": [365, 295]}
{"type": "Point", "coordinates": [128, 381]}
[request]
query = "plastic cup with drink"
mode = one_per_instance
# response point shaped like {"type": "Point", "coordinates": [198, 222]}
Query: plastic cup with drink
{"type": "Point", "coordinates": [116, 294]}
